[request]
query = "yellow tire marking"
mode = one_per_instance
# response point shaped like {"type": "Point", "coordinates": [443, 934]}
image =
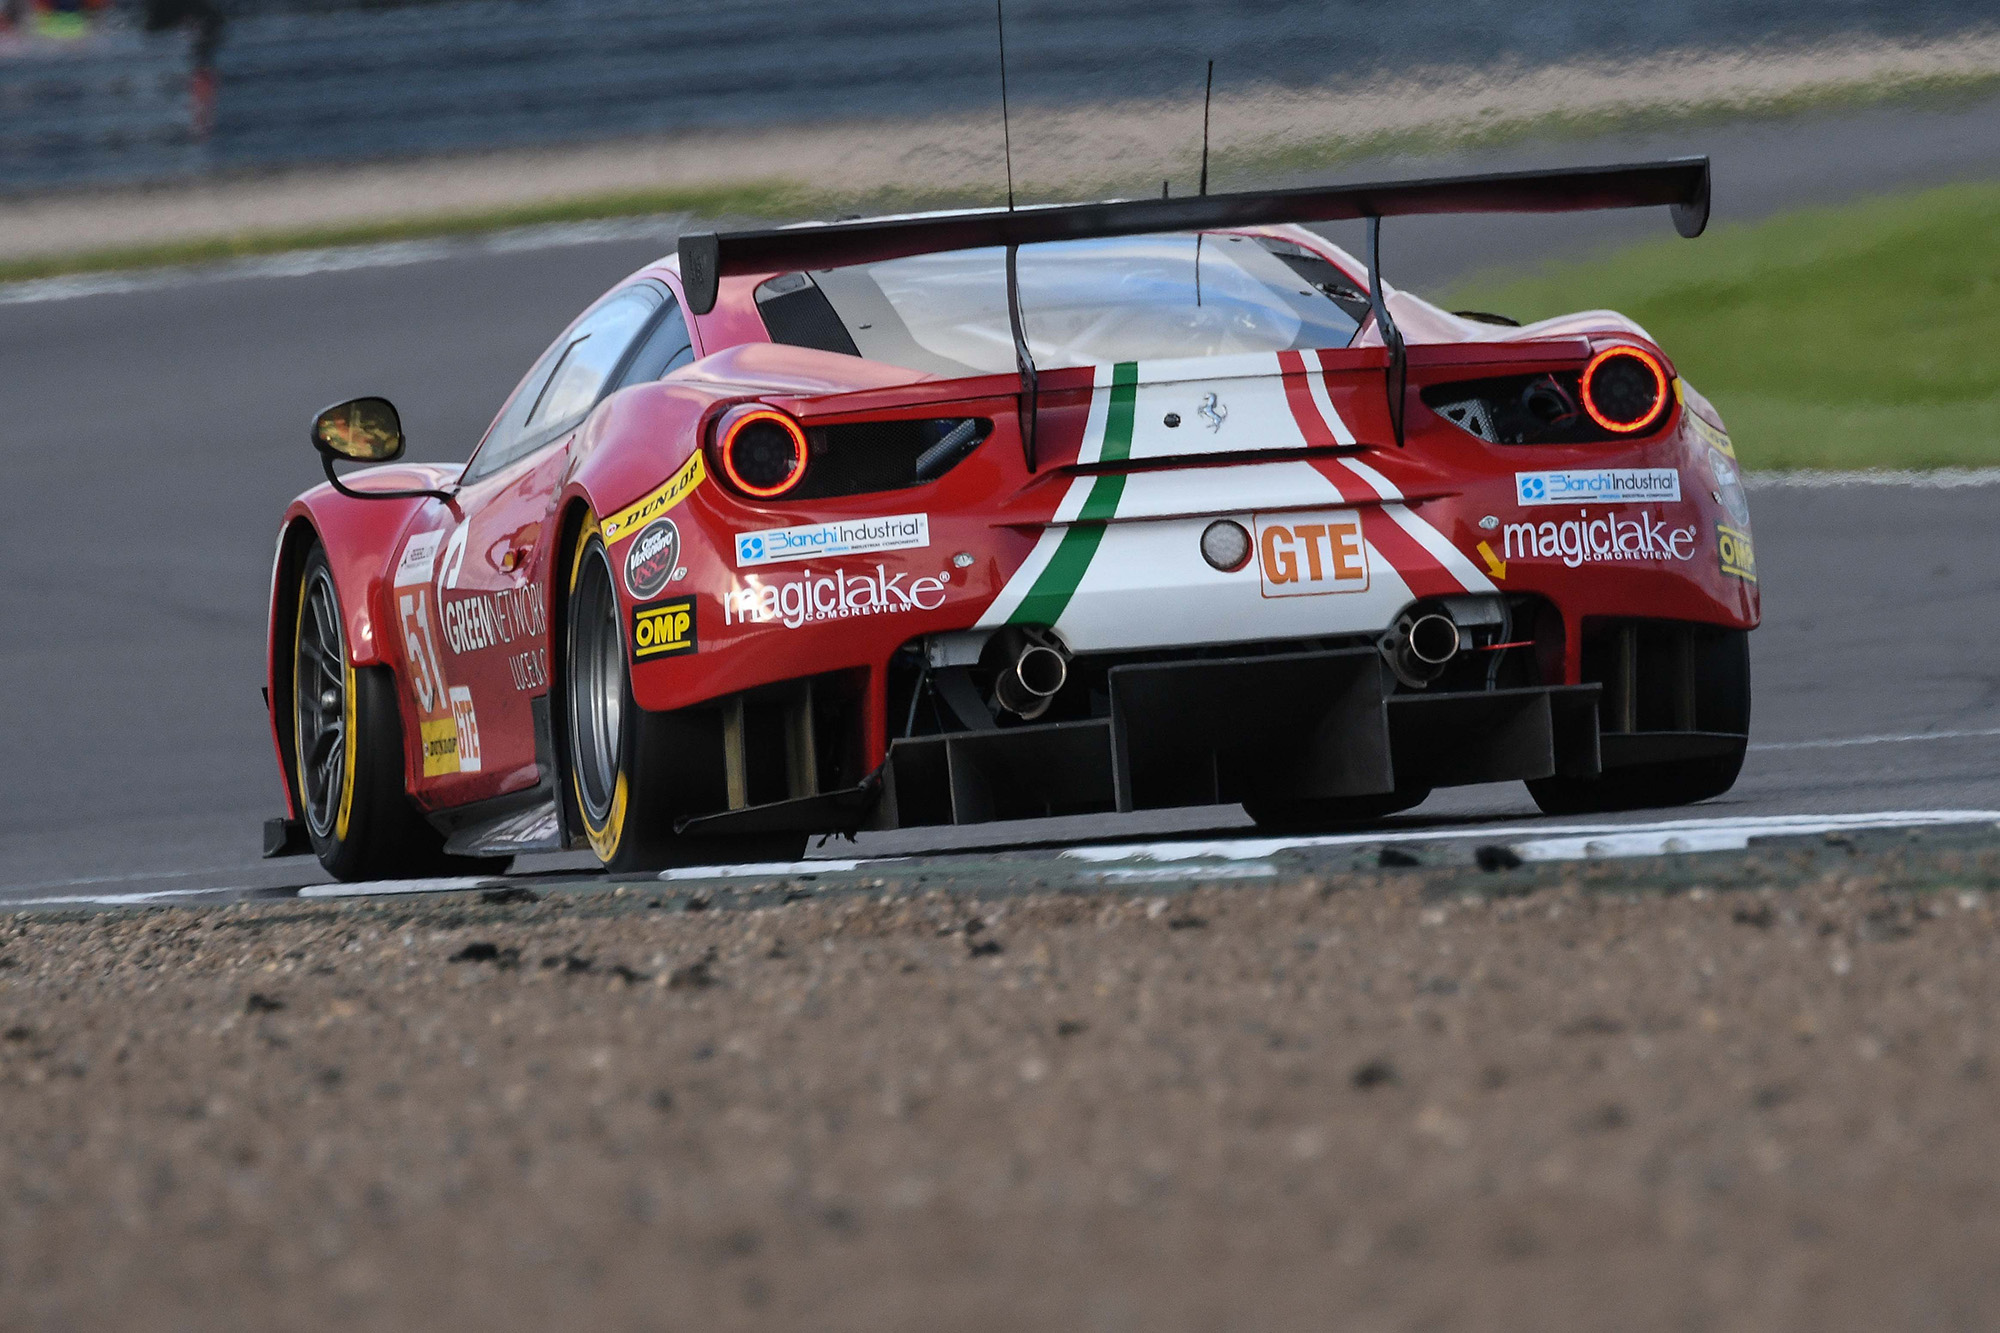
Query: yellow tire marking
{"type": "Point", "coordinates": [342, 819]}
{"type": "Point", "coordinates": [604, 839]}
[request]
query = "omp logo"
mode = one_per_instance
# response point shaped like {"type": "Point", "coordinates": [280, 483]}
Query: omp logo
{"type": "Point", "coordinates": [807, 597]}
{"type": "Point", "coordinates": [848, 537]}
{"type": "Point", "coordinates": [1736, 554]}
{"type": "Point", "coordinates": [1628, 485]}
{"type": "Point", "coordinates": [1304, 555]}
{"type": "Point", "coordinates": [440, 740]}
{"type": "Point", "coordinates": [664, 630]}
{"type": "Point", "coordinates": [1585, 540]}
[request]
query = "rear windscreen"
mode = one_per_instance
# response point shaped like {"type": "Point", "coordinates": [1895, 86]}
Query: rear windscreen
{"type": "Point", "coordinates": [1129, 298]}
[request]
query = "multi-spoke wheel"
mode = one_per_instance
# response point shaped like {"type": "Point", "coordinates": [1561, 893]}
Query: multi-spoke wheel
{"type": "Point", "coordinates": [347, 751]}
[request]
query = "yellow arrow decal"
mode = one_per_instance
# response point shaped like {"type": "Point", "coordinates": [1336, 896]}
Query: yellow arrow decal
{"type": "Point", "coordinates": [1494, 564]}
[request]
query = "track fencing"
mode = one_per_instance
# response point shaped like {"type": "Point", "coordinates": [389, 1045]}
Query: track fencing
{"type": "Point", "coordinates": [320, 84]}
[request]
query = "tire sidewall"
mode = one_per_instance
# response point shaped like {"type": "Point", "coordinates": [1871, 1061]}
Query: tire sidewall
{"type": "Point", "coordinates": [334, 846]}
{"type": "Point", "coordinates": [612, 835]}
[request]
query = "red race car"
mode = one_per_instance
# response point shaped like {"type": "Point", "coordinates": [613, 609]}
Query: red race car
{"type": "Point", "coordinates": [989, 515]}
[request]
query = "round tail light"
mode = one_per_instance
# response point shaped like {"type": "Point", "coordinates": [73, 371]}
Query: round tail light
{"type": "Point", "coordinates": [1624, 389]}
{"type": "Point", "coordinates": [763, 453]}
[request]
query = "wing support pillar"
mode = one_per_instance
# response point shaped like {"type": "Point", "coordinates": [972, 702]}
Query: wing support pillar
{"type": "Point", "coordinates": [1023, 359]}
{"type": "Point", "coordinates": [1398, 372]}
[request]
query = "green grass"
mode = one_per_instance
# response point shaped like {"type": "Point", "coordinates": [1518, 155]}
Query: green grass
{"type": "Point", "coordinates": [1866, 336]}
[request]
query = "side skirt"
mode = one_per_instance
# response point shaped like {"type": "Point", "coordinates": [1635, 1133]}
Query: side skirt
{"type": "Point", "coordinates": [530, 820]}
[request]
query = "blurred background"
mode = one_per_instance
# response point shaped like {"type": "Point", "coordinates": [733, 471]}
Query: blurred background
{"type": "Point", "coordinates": [111, 90]}
{"type": "Point", "coordinates": [217, 216]}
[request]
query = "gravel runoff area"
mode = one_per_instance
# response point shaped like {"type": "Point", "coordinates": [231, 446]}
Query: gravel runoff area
{"type": "Point", "coordinates": [1057, 150]}
{"type": "Point", "coordinates": [1743, 1091]}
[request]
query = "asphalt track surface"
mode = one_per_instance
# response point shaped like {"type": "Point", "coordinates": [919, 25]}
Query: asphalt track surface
{"type": "Point", "coordinates": [152, 437]}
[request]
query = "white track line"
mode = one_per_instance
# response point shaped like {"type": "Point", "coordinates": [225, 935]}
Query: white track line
{"type": "Point", "coordinates": [1935, 479]}
{"type": "Point", "coordinates": [368, 888]}
{"type": "Point", "coordinates": [139, 898]}
{"type": "Point", "coordinates": [773, 869]}
{"type": "Point", "coordinates": [1548, 840]}
{"type": "Point", "coordinates": [1210, 859]}
{"type": "Point", "coordinates": [340, 259]}
{"type": "Point", "coordinates": [135, 877]}
{"type": "Point", "coordinates": [1842, 742]}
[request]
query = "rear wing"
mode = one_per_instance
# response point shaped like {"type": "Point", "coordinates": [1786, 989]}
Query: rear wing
{"type": "Point", "coordinates": [1682, 184]}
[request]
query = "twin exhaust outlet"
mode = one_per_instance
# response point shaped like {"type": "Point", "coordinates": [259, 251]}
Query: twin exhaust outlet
{"type": "Point", "coordinates": [1028, 683]}
{"type": "Point", "coordinates": [1031, 665]}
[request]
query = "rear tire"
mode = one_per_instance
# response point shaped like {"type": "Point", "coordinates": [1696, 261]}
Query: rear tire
{"type": "Point", "coordinates": [1680, 782]}
{"type": "Point", "coordinates": [1722, 704]}
{"type": "Point", "coordinates": [625, 764]}
{"type": "Point", "coordinates": [1317, 815]}
{"type": "Point", "coordinates": [347, 737]}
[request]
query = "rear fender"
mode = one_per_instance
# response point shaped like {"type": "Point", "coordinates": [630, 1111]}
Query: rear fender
{"type": "Point", "coordinates": [636, 485]}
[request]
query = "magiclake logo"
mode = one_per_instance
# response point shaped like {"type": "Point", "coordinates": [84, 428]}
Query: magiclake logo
{"type": "Point", "coordinates": [857, 536]}
{"type": "Point", "coordinates": [806, 598]}
{"type": "Point", "coordinates": [1584, 540]}
{"type": "Point", "coordinates": [663, 630]}
{"type": "Point", "coordinates": [1624, 485]}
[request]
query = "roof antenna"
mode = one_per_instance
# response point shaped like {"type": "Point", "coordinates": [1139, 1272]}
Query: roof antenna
{"type": "Point", "coordinates": [1006, 129]}
{"type": "Point", "coordinates": [1206, 94]}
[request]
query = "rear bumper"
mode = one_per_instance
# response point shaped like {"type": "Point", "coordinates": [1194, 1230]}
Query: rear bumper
{"type": "Point", "coordinates": [1304, 725]}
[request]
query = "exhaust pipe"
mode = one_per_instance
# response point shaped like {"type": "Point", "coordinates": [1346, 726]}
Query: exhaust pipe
{"type": "Point", "coordinates": [1419, 647]}
{"type": "Point", "coordinates": [1433, 639]}
{"type": "Point", "coordinates": [1026, 685]}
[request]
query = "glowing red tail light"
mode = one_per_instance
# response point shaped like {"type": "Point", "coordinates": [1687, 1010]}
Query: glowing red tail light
{"type": "Point", "coordinates": [1625, 389]}
{"type": "Point", "coordinates": [762, 453]}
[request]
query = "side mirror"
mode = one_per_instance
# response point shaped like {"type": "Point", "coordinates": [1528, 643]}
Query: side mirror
{"type": "Point", "coordinates": [361, 430]}
{"type": "Point", "coordinates": [364, 430]}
